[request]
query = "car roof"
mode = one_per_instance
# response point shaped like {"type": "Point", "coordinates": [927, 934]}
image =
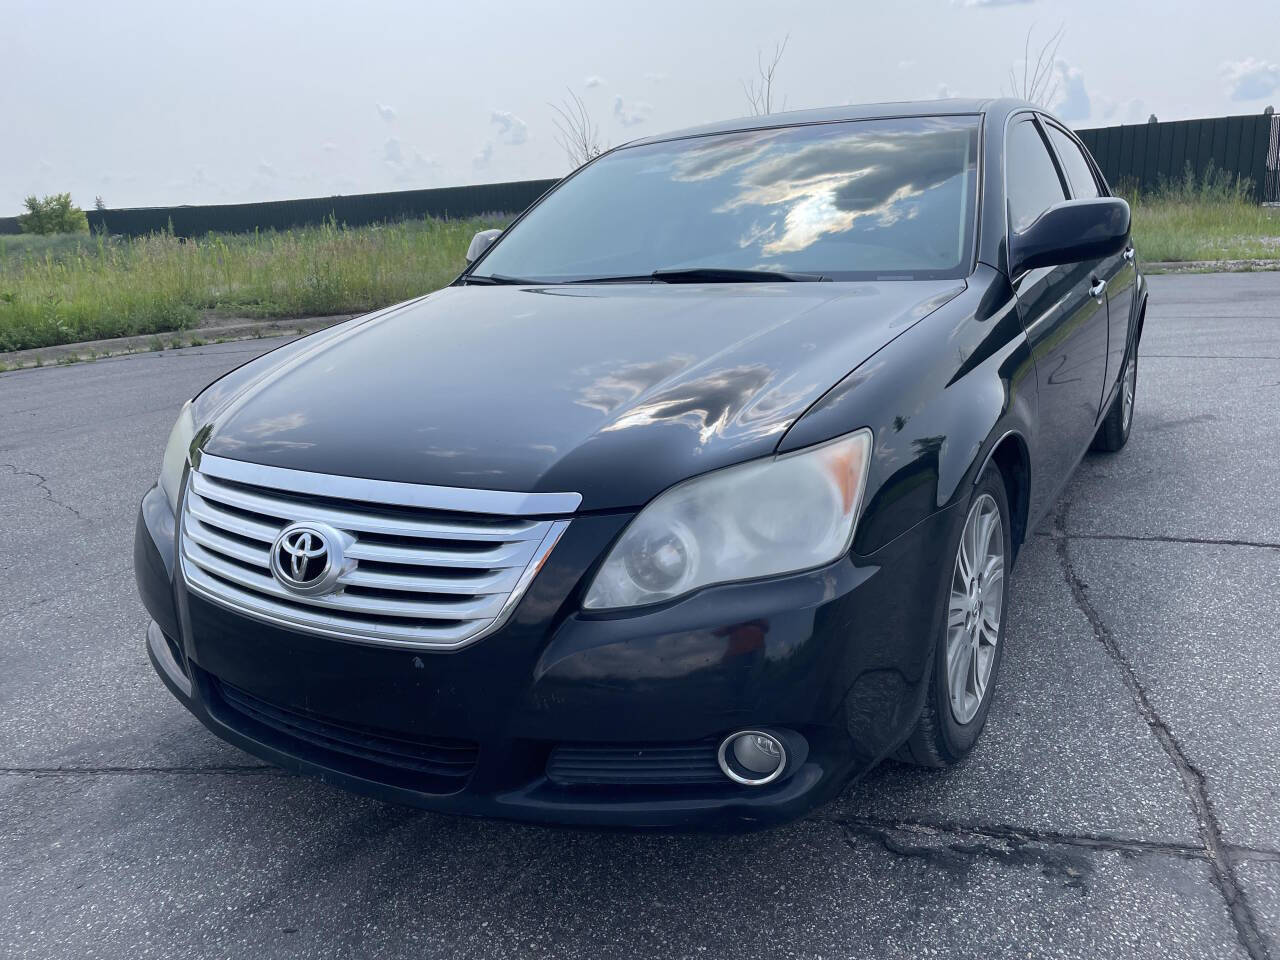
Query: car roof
{"type": "Point", "coordinates": [857, 111]}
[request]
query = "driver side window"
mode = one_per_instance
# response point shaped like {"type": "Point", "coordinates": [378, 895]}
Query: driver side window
{"type": "Point", "coordinates": [1031, 177]}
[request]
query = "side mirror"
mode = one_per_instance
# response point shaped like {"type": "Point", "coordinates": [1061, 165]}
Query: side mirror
{"type": "Point", "coordinates": [481, 242]}
{"type": "Point", "coordinates": [1070, 232]}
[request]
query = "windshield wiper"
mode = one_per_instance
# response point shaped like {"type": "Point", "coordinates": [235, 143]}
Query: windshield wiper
{"type": "Point", "coordinates": [703, 275]}
{"type": "Point", "coordinates": [669, 275]}
{"type": "Point", "coordinates": [495, 279]}
{"type": "Point", "coordinates": [729, 275]}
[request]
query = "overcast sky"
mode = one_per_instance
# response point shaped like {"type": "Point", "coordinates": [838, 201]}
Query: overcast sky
{"type": "Point", "coordinates": [166, 103]}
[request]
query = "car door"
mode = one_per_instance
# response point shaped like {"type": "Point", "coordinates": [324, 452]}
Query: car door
{"type": "Point", "coordinates": [1064, 314]}
{"type": "Point", "coordinates": [1117, 271]}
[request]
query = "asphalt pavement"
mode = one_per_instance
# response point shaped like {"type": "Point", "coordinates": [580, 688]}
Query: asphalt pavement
{"type": "Point", "coordinates": [1124, 801]}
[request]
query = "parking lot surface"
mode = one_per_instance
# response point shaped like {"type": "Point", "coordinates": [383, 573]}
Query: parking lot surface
{"type": "Point", "coordinates": [1123, 802]}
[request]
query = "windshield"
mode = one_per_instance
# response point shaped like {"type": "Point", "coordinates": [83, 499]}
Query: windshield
{"type": "Point", "coordinates": [855, 200]}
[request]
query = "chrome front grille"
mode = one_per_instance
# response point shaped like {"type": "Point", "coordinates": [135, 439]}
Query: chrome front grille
{"type": "Point", "coordinates": [412, 573]}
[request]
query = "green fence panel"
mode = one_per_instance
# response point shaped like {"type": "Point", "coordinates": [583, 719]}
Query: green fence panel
{"type": "Point", "coordinates": [1144, 155]}
{"type": "Point", "coordinates": [358, 210]}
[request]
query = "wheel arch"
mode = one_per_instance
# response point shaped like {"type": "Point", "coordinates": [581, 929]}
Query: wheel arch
{"type": "Point", "coordinates": [1142, 319]}
{"type": "Point", "coordinates": [1012, 458]}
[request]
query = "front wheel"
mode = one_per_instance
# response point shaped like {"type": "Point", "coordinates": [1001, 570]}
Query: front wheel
{"type": "Point", "coordinates": [1113, 432]}
{"type": "Point", "coordinates": [967, 656]}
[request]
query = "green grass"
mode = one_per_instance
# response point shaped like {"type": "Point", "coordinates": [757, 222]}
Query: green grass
{"type": "Point", "coordinates": [66, 289]}
{"type": "Point", "coordinates": [1209, 217]}
{"type": "Point", "coordinates": [1172, 229]}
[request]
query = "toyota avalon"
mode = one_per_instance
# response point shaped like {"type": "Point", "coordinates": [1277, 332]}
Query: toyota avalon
{"type": "Point", "coordinates": [694, 496]}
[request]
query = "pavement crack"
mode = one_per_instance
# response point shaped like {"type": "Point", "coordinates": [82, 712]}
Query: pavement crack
{"type": "Point", "coordinates": [1015, 834]}
{"type": "Point", "coordinates": [1193, 781]}
{"type": "Point", "coordinates": [1057, 534]}
{"type": "Point", "coordinates": [957, 851]}
{"type": "Point", "coordinates": [42, 484]}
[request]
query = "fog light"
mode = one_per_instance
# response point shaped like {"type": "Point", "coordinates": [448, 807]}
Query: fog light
{"type": "Point", "coordinates": [752, 757]}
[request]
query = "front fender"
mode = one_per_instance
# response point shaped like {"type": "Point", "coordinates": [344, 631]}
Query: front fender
{"type": "Point", "coordinates": [938, 399]}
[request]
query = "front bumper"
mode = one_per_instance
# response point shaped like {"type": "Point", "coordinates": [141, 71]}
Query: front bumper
{"type": "Point", "coordinates": [837, 656]}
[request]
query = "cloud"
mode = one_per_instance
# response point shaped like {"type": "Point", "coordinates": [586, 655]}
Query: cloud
{"type": "Point", "coordinates": [593, 81]}
{"type": "Point", "coordinates": [328, 146]}
{"type": "Point", "coordinates": [944, 92]}
{"type": "Point", "coordinates": [989, 3]}
{"type": "Point", "coordinates": [631, 114]}
{"type": "Point", "coordinates": [511, 129]}
{"type": "Point", "coordinates": [386, 113]}
{"type": "Point", "coordinates": [1129, 110]}
{"type": "Point", "coordinates": [1071, 100]}
{"type": "Point", "coordinates": [906, 64]}
{"type": "Point", "coordinates": [406, 162]}
{"type": "Point", "coordinates": [827, 187]}
{"type": "Point", "coordinates": [1251, 79]}
{"type": "Point", "coordinates": [655, 77]}
{"type": "Point", "coordinates": [481, 159]}
{"type": "Point", "coordinates": [266, 169]}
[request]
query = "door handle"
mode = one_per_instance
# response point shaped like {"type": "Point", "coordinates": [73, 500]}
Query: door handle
{"type": "Point", "coordinates": [1096, 289]}
{"type": "Point", "coordinates": [1128, 254]}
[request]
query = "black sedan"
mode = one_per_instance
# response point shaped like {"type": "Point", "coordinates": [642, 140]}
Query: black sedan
{"type": "Point", "coordinates": [693, 497]}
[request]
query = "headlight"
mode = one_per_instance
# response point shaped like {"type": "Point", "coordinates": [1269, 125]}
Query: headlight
{"type": "Point", "coordinates": [175, 455]}
{"type": "Point", "coordinates": [759, 519]}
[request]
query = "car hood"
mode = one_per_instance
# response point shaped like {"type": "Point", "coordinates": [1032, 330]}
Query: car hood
{"type": "Point", "coordinates": [611, 391]}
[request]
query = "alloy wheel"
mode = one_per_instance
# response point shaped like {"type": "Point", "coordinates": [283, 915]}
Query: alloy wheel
{"type": "Point", "coordinates": [973, 614]}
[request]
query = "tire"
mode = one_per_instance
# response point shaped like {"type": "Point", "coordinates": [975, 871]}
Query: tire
{"type": "Point", "coordinates": [949, 726]}
{"type": "Point", "coordinates": [1113, 433]}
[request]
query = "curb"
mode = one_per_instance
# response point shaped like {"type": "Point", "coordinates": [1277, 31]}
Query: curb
{"type": "Point", "coordinates": [1209, 266]}
{"type": "Point", "coordinates": [245, 329]}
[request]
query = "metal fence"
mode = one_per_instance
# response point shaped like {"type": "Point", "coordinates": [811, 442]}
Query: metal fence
{"type": "Point", "coordinates": [1138, 156]}
{"type": "Point", "coordinates": [1271, 182]}
{"type": "Point", "coordinates": [1142, 156]}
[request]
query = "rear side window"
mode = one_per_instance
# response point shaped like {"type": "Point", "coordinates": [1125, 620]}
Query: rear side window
{"type": "Point", "coordinates": [1077, 167]}
{"type": "Point", "coordinates": [1031, 178]}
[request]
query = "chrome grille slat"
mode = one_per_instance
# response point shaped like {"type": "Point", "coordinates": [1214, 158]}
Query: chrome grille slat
{"type": "Point", "coordinates": [413, 573]}
{"type": "Point", "coordinates": [334, 625]}
{"type": "Point", "coordinates": [208, 537]}
{"type": "Point", "coordinates": [211, 516]}
{"type": "Point", "coordinates": [499, 555]}
{"type": "Point", "coordinates": [491, 582]}
{"type": "Point", "coordinates": [363, 522]}
{"type": "Point", "coordinates": [484, 606]}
